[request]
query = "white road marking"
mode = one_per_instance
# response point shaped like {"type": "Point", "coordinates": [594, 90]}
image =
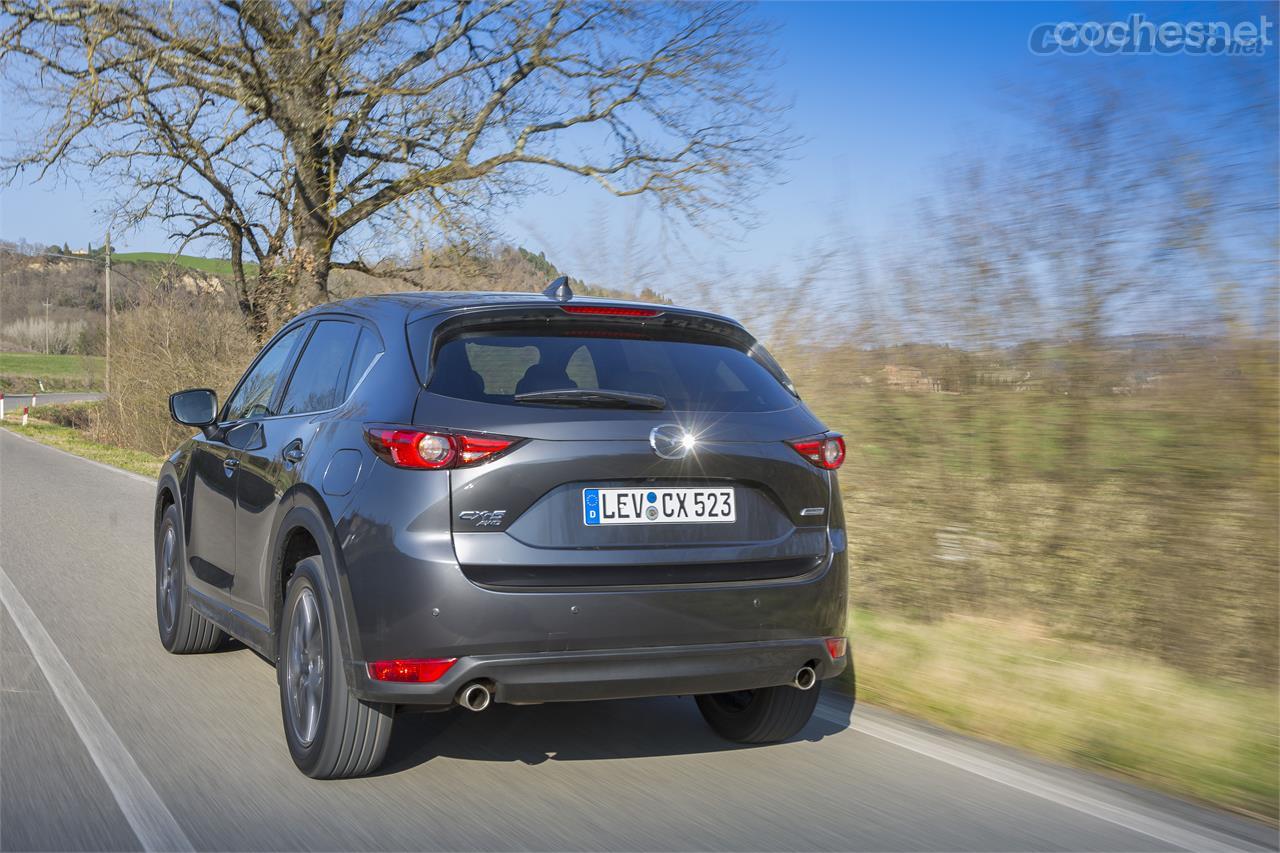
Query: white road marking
{"type": "Point", "coordinates": [151, 820]}
{"type": "Point", "coordinates": [1029, 783]}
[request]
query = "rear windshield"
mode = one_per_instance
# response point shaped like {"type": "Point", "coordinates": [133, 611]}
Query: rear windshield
{"type": "Point", "coordinates": [496, 366]}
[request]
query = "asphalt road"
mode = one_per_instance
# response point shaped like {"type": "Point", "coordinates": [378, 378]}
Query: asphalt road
{"type": "Point", "coordinates": [13, 402]}
{"type": "Point", "coordinates": [107, 742]}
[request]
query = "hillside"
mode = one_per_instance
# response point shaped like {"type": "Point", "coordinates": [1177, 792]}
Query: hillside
{"type": "Point", "coordinates": [214, 266]}
{"type": "Point", "coordinates": [73, 286]}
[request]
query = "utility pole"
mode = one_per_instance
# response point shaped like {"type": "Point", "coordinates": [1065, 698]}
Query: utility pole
{"type": "Point", "coordinates": [46, 324]}
{"type": "Point", "coordinates": [106, 376]}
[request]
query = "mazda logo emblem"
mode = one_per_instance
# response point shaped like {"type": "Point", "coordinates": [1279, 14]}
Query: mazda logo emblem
{"type": "Point", "coordinates": [671, 441]}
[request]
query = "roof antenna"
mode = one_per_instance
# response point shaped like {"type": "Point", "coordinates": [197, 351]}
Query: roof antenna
{"type": "Point", "coordinates": [559, 290]}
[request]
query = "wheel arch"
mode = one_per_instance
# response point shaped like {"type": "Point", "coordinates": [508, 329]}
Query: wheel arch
{"type": "Point", "coordinates": [306, 529]}
{"type": "Point", "coordinates": [168, 493]}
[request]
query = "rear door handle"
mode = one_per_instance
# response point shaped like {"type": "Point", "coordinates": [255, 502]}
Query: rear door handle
{"type": "Point", "coordinates": [293, 451]}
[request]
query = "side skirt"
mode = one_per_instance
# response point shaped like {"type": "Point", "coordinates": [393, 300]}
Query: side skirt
{"type": "Point", "coordinates": [247, 630]}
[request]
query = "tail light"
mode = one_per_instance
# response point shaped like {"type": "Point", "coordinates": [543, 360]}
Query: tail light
{"type": "Point", "coordinates": [825, 451]}
{"type": "Point", "coordinates": [836, 647]}
{"type": "Point", "coordinates": [413, 448]}
{"type": "Point", "coordinates": [419, 671]}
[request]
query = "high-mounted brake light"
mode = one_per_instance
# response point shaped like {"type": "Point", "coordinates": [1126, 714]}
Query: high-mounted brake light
{"type": "Point", "coordinates": [420, 671]}
{"type": "Point", "coordinates": [825, 451]}
{"type": "Point", "coordinates": [610, 311]}
{"type": "Point", "coordinates": [411, 448]}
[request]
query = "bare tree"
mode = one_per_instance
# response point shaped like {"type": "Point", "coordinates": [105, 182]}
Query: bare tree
{"type": "Point", "coordinates": [291, 128]}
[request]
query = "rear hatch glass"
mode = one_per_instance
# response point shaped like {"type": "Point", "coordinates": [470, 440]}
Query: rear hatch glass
{"type": "Point", "coordinates": [523, 368]}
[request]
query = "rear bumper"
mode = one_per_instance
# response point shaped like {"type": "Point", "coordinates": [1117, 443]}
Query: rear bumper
{"type": "Point", "coordinates": [531, 678]}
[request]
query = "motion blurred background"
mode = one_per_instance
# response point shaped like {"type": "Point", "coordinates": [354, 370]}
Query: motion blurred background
{"type": "Point", "coordinates": [1037, 294]}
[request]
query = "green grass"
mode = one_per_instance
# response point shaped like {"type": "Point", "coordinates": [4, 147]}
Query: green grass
{"type": "Point", "coordinates": [19, 371]}
{"type": "Point", "coordinates": [1078, 704]}
{"type": "Point", "coordinates": [73, 441]}
{"type": "Point", "coordinates": [214, 266]}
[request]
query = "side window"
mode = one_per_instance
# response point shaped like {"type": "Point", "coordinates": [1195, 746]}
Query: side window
{"type": "Point", "coordinates": [320, 380]}
{"type": "Point", "coordinates": [253, 398]}
{"type": "Point", "coordinates": [367, 349]}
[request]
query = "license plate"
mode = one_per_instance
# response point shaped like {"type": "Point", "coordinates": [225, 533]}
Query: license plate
{"type": "Point", "coordinates": [656, 506]}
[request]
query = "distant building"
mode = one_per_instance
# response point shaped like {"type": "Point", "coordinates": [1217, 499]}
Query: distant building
{"type": "Point", "coordinates": [908, 379]}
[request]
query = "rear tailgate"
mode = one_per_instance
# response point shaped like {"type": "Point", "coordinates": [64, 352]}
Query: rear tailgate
{"type": "Point", "coordinates": [521, 520]}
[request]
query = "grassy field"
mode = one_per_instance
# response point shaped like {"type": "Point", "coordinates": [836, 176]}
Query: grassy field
{"type": "Point", "coordinates": [19, 371]}
{"type": "Point", "coordinates": [214, 266]}
{"type": "Point", "coordinates": [1078, 704]}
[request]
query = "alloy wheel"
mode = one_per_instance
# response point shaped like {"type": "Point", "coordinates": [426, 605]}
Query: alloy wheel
{"type": "Point", "coordinates": [304, 667]}
{"type": "Point", "coordinates": [168, 577]}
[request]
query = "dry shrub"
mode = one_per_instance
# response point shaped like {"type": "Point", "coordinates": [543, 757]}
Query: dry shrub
{"type": "Point", "coordinates": [166, 343]}
{"type": "Point", "coordinates": [37, 334]}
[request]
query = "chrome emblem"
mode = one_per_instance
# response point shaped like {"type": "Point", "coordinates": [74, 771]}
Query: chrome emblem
{"type": "Point", "coordinates": [484, 517]}
{"type": "Point", "coordinates": [671, 441]}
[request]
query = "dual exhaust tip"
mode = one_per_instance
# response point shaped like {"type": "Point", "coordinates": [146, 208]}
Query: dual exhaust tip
{"type": "Point", "coordinates": [477, 696]}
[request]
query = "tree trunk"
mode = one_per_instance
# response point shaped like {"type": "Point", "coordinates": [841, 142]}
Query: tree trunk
{"type": "Point", "coordinates": [249, 294]}
{"type": "Point", "coordinates": [313, 231]}
{"type": "Point", "coordinates": [311, 264]}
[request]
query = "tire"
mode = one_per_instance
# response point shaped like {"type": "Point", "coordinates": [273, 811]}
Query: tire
{"type": "Point", "coordinates": [764, 715]}
{"type": "Point", "coordinates": [331, 734]}
{"type": "Point", "coordinates": [183, 631]}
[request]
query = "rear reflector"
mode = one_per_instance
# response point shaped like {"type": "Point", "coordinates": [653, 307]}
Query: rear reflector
{"type": "Point", "coordinates": [417, 671]}
{"type": "Point", "coordinates": [836, 647]}
{"type": "Point", "coordinates": [410, 448]}
{"type": "Point", "coordinates": [824, 451]}
{"type": "Point", "coordinates": [610, 311]}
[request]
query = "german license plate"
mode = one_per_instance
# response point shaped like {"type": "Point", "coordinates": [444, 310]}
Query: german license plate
{"type": "Point", "coordinates": [656, 506]}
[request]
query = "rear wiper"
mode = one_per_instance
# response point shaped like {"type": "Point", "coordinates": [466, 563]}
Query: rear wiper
{"type": "Point", "coordinates": [594, 397]}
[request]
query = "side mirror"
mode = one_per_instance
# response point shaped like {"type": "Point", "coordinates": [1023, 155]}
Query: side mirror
{"type": "Point", "coordinates": [196, 407]}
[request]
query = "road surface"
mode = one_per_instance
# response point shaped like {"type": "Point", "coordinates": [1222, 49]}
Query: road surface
{"type": "Point", "coordinates": [14, 401]}
{"type": "Point", "coordinates": [107, 742]}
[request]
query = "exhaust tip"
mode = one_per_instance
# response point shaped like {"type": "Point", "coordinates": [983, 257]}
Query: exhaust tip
{"type": "Point", "coordinates": [475, 697]}
{"type": "Point", "coordinates": [805, 678]}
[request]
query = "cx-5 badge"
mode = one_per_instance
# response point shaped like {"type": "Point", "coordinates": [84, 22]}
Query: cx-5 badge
{"type": "Point", "coordinates": [671, 441]}
{"type": "Point", "coordinates": [483, 517]}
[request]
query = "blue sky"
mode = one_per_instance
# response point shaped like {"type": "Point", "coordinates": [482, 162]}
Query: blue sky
{"type": "Point", "coordinates": [883, 95]}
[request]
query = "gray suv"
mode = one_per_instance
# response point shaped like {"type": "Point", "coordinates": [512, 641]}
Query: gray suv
{"type": "Point", "coordinates": [429, 500]}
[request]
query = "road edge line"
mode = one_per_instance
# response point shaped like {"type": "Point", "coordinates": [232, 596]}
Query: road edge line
{"type": "Point", "coordinates": [148, 816]}
{"type": "Point", "coordinates": [1029, 783]}
{"type": "Point", "coordinates": [131, 474]}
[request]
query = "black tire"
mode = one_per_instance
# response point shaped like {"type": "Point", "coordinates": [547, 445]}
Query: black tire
{"type": "Point", "coordinates": [764, 715]}
{"type": "Point", "coordinates": [183, 631]}
{"type": "Point", "coordinates": [341, 736]}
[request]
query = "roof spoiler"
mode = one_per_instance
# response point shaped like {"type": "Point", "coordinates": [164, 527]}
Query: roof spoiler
{"type": "Point", "coordinates": [559, 290]}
